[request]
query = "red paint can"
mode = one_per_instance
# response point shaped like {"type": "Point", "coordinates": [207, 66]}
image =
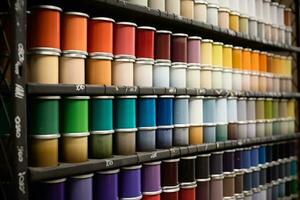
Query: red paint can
{"type": "Point", "coordinates": [124, 39]}
{"type": "Point", "coordinates": [45, 27]}
{"type": "Point", "coordinates": [179, 47]}
{"type": "Point", "coordinates": [151, 197]}
{"type": "Point", "coordinates": [145, 42]}
{"type": "Point", "coordinates": [188, 192]}
{"type": "Point", "coordinates": [163, 45]}
{"type": "Point", "coordinates": [170, 194]}
{"type": "Point", "coordinates": [100, 36]}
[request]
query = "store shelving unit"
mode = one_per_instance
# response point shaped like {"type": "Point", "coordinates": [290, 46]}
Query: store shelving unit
{"type": "Point", "coordinates": [16, 186]}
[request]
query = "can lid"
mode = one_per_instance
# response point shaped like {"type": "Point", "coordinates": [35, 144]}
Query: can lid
{"type": "Point", "coordinates": [166, 96]}
{"type": "Point", "coordinates": [83, 134]}
{"type": "Point", "coordinates": [148, 96]}
{"type": "Point", "coordinates": [188, 185]}
{"type": "Point", "coordinates": [77, 13]}
{"type": "Point", "coordinates": [180, 34]}
{"type": "Point", "coordinates": [212, 6]}
{"type": "Point", "coordinates": [188, 158]}
{"type": "Point", "coordinates": [104, 132]}
{"type": "Point", "coordinates": [288, 9]}
{"type": "Point", "coordinates": [181, 125]}
{"type": "Point", "coordinates": [224, 10]}
{"type": "Point", "coordinates": [182, 97]}
{"type": "Point", "coordinates": [171, 160]}
{"type": "Point", "coordinates": [234, 13]}
{"type": "Point", "coordinates": [218, 43]}
{"type": "Point", "coordinates": [201, 2]}
{"type": "Point", "coordinates": [203, 180]}
{"type": "Point", "coordinates": [194, 38]}
{"type": "Point", "coordinates": [147, 128]}
{"type": "Point", "coordinates": [100, 57]}
{"type": "Point", "coordinates": [244, 16]}
{"type": "Point", "coordinates": [237, 47]}
{"type": "Point", "coordinates": [163, 64]}
{"type": "Point", "coordinates": [56, 181]}
{"type": "Point", "coordinates": [132, 198]}
{"type": "Point", "coordinates": [152, 163]}
{"type": "Point", "coordinates": [197, 97]}
{"type": "Point", "coordinates": [171, 189]}
{"type": "Point", "coordinates": [217, 176]}
{"type": "Point", "coordinates": [44, 51]}
{"type": "Point", "coordinates": [281, 6]}
{"type": "Point", "coordinates": [51, 7]}
{"type": "Point", "coordinates": [274, 3]}
{"type": "Point", "coordinates": [144, 61]}
{"type": "Point", "coordinates": [127, 23]}
{"type": "Point", "coordinates": [165, 127]}
{"type": "Point", "coordinates": [152, 193]}
{"type": "Point", "coordinates": [204, 155]}
{"type": "Point", "coordinates": [126, 130]}
{"type": "Point", "coordinates": [146, 28]}
{"type": "Point", "coordinates": [73, 55]}
{"type": "Point", "coordinates": [102, 97]}
{"type": "Point", "coordinates": [209, 124]}
{"type": "Point", "coordinates": [103, 19]}
{"type": "Point", "coordinates": [132, 167]}
{"type": "Point", "coordinates": [126, 97]}
{"type": "Point", "coordinates": [77, 97]}
{"type": "Point", "coordinates": [75, 52]}
{"type": "Point", "coordinates": [164, 31]}
{"type": "Point", "coordinates": [83, 176]}
{"type": "Point", "coordinates": [45, 137]}
{"type": "Point", "coordinates": [207, 40]}
{"type": "Point", "coordinates": [109, 171]}
{"type": "Point", "coordinates": [48, 97]}
{"type": "Point", "coordinates": [228, 45]}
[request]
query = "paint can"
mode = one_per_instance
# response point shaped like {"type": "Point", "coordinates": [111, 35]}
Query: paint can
{"type": "Point", "coordinates": [139, 2]}
{"type": "Point", "coordinates": [125, 141]}
{"type": "Point", "coordinates": [217, 78]}
{"type": "Point", "coordinates": [173, 6]}
{"type": "Point", "coordinates": [195, 134]}
{"type": "Point", "coordinates": [223, 16]}
{"type": "Point", "coordinates": [187, 171]}
{"type": "Point", "coordinates": [196, 110]}
{"type": "Point", "coordinates": [99, 70]}
{"type": "Point", "coordinates": [161, 75]}
{"type": "Point", "coordinates": [253, 27]}
{"type": "Point", "coordinates": [162, 46]}
{"type": "Point", "coordinates": [181, 135]}
{"type": "Point", "coordinates": [193, 79]}
{"type": "Point", "coordinates": [209, 109]}
{"type": "Point", "coordinates": [246, 81]}
{"type": "Point", "coordinates": [145, 139]}
{"type": "Point", "coordinates": [261, 31]}
{"type": "Point", "coordinates": [143, 73]}
{"type": "Point", "coordinates": [229, 185]}
{"type": "Point", "coordinates": [125, 112]}
{"type": "Point", "coordinates": [43, 66]}
{"type": "Point", "coordinates": [164, 108]}
{"type": "Point", "coordinates": [206, 52]}
{"type": "Point", "coordinates": [227, 79]}
{"type": "Point", "coordinates": [178, 76]}
{"type": "Point", "coordinates": [203, 189]}
{"type": "Point", "coordinates": [187, 9]}
{"type": "Point", "coordinates": [170, 194]}
{"type": "Point", "coordinates": [74, 32]}
{"type": "Point", "coordinates": [100, 36]}
{"type": "Point", "coordinates": [206, 77]}
{"type": "Point", "coordinates": [236, 80]}
{"type": "Point", "coordinates": [49, 190]}
{"type": "Point", "coordinates": [101, 144]}
{"type": "Point", "coordinates": [45, 25]}
{"type": "Point", "coordinates": [200, 11]}
{"type": "Point", "coordinates": [194, 50]}
{"type": "Point", "coordinates": [72, 68]}
{"type": "Point", "coordinates": [228, 161]}
{"type": "Point", "coordinates": [74, 115]}
{"type": "Point", "coordinates": [38, 145]}
{"type": "Point", "coordinates": [145, 42]}
{"type": "Point", "coordinates": [150, 177]}
{"type": "Point", "coordinates": [179, 48]}
{"type": "Point", "coordinates": [216, 187]}
{"type": "Point", "coordinates": [238, 183]}
{"type": "Point", "coordinates": [101, 113]}
{"type": "Point", "coordinates": [80, 187]}
{"type": "Point", "coordinates": [188, 192]}
{"type": "Point", "coordinates": [244, 26]}
{"type": "Point", "coordinates": [122, 71]}
{"type": "Point", "coordinates": [234, 21]}
{"type": "Point", "coordinates": [124, 46]}
{"type": "Point", "coordinates": [212, 14]}
{"type": "Point", "coordinates": [209, 133]}
{"type": "Point", "coordinates": [157, 4]}
{"type": "Point", "coordinates": [106, 184]}
{"type": "Point", "coordinates": [169, 173]}
{"type": "Point", "coordinates": [130, 182]}
{"type": "Point", "coordinates": [216, 163]}
{"type": "Point", "coordinates": [164, 137]}
{"type": "Point", "coordinates": [146, 111]}
{"type": "Point", "coordinates": [202, 167]}
{"type": "Point", "coordinates": [74, 147]}
{"type": "Point", "coordinates": [181, 110]}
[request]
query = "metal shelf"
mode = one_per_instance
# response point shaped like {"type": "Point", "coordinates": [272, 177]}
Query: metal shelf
{"type": "Point", "coordinates": [69, 169]}
{"type": "Point", "coordinates": [93, 90]}
{"type": "Point", "coordinates": [121, 10]}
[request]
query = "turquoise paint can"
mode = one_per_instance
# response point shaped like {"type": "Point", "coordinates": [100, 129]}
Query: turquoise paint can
{"type": "Point", "coordinates": [101, 113]}
{"type": "Point", "coordinates": [209, 133]}
{"type": "Point", "coordinates": [125, 112]}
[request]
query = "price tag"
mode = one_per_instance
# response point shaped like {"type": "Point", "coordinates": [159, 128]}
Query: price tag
{"type": "Point", "coordinates": [80, 87]}
{"type": "Point", "coordinates": [109, 163]}
{"type": "Point", "coordinates": [153, 155]}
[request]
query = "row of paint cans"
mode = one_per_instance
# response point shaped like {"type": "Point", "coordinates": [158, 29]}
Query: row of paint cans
{"type": "Point", "coordinates": [235, 173]}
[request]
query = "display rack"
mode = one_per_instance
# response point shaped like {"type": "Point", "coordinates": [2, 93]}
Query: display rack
{"type": "Point", "coordinates": [16, 187]}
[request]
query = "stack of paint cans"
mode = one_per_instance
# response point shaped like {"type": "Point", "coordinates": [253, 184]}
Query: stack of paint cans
{"type": "Point", "coordinates": [170, 179]}
{"type": "Point", "coordinates": [217, 177]}
{"type": "Point", "coordinates": [209, 125]}
{"type": "Point", "coordinates": [196, 120]}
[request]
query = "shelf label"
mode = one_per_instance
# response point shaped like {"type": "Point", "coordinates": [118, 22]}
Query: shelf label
{"type": "Point", "coordinates": [109, 163]}
{"type": "Point", "coordinates": [153, 155]}
{"type": "Point", "coordinates": [80, 87]}
{"type": "Point", "coordinates": [18, 126]}
{"type": "Point", "coordinates": [22, 181]}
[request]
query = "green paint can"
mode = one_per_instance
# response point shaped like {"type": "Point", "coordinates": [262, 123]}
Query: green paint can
{"type": "Point", "coordinates": [275, 110]}
{"type": "Point", "coordinates": [124, 112]}
{"type": "Point", "coordinates": [221, 132]}
{"type": "Point", "coordinates": [5, 111]}
{"type": "Point", "coordinates": [101, 144]}
{"type": "Point", "coordinates": [268, 109]}
{"type": "Point", "coordinates": [74, 114]}
{"type": "Point", "coordinates": [260, 108]}
{"type": "Point", "coordinates": [276, 127]}
{"type": "Point", "coordinates": [101, 113]}
{"type": "Point", "coordinates": [43, 115]}
{"type": "Point", "coordinates": [294, 185]}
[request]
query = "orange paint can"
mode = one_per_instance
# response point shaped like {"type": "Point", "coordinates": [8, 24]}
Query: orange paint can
{"type": "Point", "coordinates": [246, 59]}
{"type": "Point", "coordinates": [100, 36]}
{"type": "Point", "coordinates": [45, 27]}
{"type": "Point", "coordinates": [255, 60]}
{"type": "Point", "coordinates": [237, 58]}
{"type": "Point", "coordinates": [74, 32]}
{"type": "Point", "coordinates": [98, 70]}
{"type": "Point", "coordinates": [263, 63]}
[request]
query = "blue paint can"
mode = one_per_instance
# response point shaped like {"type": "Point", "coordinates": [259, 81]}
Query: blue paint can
{"type": "Point", "coordinates": [106, 185]}
{"type": "Point", "coordinates": [262, 154]}
{"type": "Point", "coordinates": [238, 159]}
{"type": "Point", "coordinates": [255, 177]}
{"type": "Point", "coordinates": [181, 135]}
{"type": "Point", "coordinates": [209, 110]}
{"type": "Point", "coordinates": [275, 192]}
{"type": "Point", "coordinates": [246, 164]}
{"type": "Point", "coordinates": [130, 182]}
{"type": "Point", "coordinates": [263, 175]}
{"type": "Point", "coordinates": [281, 188]}
{"type": "Point", "coordinates": [256, 194]}
{"type": "Point", "coordinates": [181, 110]}
{"type": "Point", "coordinates": [254, 156]}
{"type": "Point", "coordinates": [248, 180]}
{"type": "Point", "coordinates": [209, 133]}
{"type": "Point", "coordinates": [164, 137]}
{"type": "Point", "coordinates": [228, 160]}
{"type": "Point", "coordinates": [269, 153]}
{"type": "Point", "coordinates": [164, 110]}
{"type": "Point", "coordinates": [146, 139]}
{"type": "Point", "coordinates": [146, 111]}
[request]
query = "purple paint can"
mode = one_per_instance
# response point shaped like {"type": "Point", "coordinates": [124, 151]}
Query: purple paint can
{"type": "Point", "coordinates": [194, 45]}
{"type": "Point", "coordinates": [151, 184]}
{"type": "Point", "coordinates": [130, 182]}
{"type": "Point", "coordinates": [80, 187]}
{"type": "Point", "coordinates": [49, 190]}
{"type": "Point", "coordinates": [106, 185]}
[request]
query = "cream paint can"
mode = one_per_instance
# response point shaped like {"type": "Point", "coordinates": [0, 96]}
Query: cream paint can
{"type": "Point", "coordinates": [178, 76]}
{"type": "Point", "coordinates": [217, 78]}
{"type": "Point", "coordinates": [187, 8]}
{"type": "Point", "coordinates": [161, 75]}
{"type": "Point", "coordinates": [246, 81]}
{"type": "Point", "coordinates": [173, 6]}
{"type": "Point", "coordinates": [212, 14]}
{"type": "Point", "coordinates": [254, 81]}
{"type": "Point", "coordinates": [236, 80]}
{"type": "Point", "coordinates": [223, 18]}
{"type": "Point", "coordinates": [227, 79]}
{"type": "Point", "coordinates": [157, 4]}
{"type": "Point", "coordinates": [139, 2]}
{"type": "Point", "coordinates": [200, 11]}
{"type": "Point", "coordinates": [206, 77]}
{"type": "Point", "coordinates": [72, 68]}
{"type": "Point", "coordinates": [143, 73]}
{"type": "Point", "coordinates": [122, 72]}
{"type": "Point", "coordinates": [193, 77]}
